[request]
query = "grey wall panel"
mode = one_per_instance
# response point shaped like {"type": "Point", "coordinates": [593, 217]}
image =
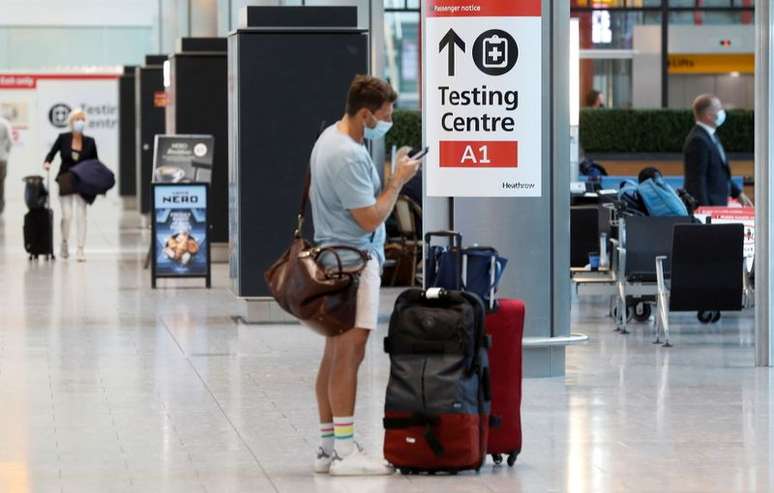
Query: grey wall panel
{"type": "Point", "coordinates": [734, 91]}
{"type": "Point", "coordinates": [285, 84]}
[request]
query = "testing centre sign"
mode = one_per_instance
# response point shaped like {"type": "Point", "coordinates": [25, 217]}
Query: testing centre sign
{"type": "Point", "coordinates": [483, 98]}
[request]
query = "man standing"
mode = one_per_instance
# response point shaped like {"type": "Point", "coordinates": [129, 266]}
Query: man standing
{"type": "Point", "coordinates": [707, 170]}
{"type": "Point", "coordinates": [6, 141]}
{"type": "Point", "coordinates": [349, 207]}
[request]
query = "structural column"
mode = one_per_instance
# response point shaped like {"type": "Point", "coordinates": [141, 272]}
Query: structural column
{"type": "Point", "coordinates": [203, 15]}
{"type": "Point", "coordinates": [187, 18]}
{"type": "Point", "coordinates": [764, 182]}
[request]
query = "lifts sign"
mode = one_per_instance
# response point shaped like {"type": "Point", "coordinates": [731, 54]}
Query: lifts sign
{"type": "Point", "coordinates": [483, 98]}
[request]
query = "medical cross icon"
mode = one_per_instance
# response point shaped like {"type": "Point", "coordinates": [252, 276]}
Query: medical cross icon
{"type": "Point", "coordinates": [495, 49]}
{"type": "Point", "coordinates": [495, 52]}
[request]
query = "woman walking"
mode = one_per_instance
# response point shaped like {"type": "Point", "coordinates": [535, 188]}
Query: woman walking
{"type": "Point", "coordinates": [73, 147]}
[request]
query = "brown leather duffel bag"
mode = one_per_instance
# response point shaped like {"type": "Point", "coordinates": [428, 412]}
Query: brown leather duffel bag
{"type": "Point", "coordinates": [322, 297]}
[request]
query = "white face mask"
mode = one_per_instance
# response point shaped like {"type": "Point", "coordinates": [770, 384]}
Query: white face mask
{"type": "Point", "coordinates": [78, 126]}
{"type": "Point", "coordinates": [379, 131]}
{"type": "Point", "coordinates": [720, 118]}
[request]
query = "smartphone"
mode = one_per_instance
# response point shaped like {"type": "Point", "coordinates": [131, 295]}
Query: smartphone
{"type": "Point", "coordinates": [420, 154]}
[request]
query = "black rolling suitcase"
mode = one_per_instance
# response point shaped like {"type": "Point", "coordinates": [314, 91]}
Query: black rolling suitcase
{"type": "Point", "coordinates": [38, 226]}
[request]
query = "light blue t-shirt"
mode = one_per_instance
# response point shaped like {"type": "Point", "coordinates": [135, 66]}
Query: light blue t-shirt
{"type": "Point", "coordinates": [344, 178]}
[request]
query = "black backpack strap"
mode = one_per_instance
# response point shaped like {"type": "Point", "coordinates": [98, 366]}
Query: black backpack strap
{"type": "Point", "coordinates": [397, 346]}
{"type": "Point", "coordinates": [409, 421]}
{"type": "Point", "coordinates": [486, 384]}
{"type": "Point", "coordinates": [418, 420]}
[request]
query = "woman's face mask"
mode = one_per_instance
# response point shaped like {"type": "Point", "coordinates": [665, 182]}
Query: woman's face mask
{"type": "Point", "coordinates": [78, 126]}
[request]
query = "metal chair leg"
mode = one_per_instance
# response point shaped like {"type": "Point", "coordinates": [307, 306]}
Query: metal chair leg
{"type": "Point", "coordinates": [657, 322]}
{"type": "Point", "coordinates": [610, 306]}
{"type": "Point", "coordinates": [665, 324]}
{"type": "Point", "coordinates": [622, 309]}
{"type": "Point", "coordinates": [663, 299]}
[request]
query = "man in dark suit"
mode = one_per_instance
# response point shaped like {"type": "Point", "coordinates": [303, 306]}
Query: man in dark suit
{"type": "Point", "coordinates": [707, 170]}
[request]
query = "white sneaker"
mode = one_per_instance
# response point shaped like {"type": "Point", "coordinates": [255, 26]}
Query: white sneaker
{"type": "Point", "coordinates": [359, 464]}
{"type": "Point", "coordinates": [79, 255]}
{"type": "Point", "coordinates": [64, 252]}
{"type": "Point", "coordinates": [322, 464]}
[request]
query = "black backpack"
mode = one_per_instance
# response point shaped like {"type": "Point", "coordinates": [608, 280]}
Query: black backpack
{"type": "Point", "coordinates": [438, 397]}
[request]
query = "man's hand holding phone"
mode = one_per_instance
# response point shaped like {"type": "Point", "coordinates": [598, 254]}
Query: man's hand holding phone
{"type": "Point", "coordinates": [408, 166]}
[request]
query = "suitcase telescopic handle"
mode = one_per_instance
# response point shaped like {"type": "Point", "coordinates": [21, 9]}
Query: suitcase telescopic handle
{"type": "Point", "coordinates": [455, 244]}
{"type": "Point", "coordinates": [455, 238]}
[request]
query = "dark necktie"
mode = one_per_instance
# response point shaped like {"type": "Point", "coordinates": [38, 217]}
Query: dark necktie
{"type": "Point", "coordinates": [720, 148]}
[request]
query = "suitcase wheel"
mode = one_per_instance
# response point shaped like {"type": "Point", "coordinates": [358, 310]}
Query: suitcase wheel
{"type": "Point", "coordinates": [407, 472]}
{"type": "Point", "coordinates": [642, 312]}
{"type": "Point", "coordinates": [512, 459]}
{"type": "Point", "coordinates": [708, 316]}
{"type": "Point", "coordinates": [497, 458]}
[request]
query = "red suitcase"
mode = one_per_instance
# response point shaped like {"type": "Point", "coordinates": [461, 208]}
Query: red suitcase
{"type": "Point", "coordinates": [505, 326]}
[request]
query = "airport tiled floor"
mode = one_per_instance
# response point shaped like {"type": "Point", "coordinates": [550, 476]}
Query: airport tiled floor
{"type": "Point", "coordinates": [108, 386]}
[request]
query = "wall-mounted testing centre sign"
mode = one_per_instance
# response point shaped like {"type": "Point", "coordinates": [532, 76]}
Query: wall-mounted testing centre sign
{"type": "Point", "coordinates": [482, 95]}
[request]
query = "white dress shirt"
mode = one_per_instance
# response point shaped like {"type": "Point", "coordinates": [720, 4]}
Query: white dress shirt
{"type": "Point", "coordinates": [6, 139]}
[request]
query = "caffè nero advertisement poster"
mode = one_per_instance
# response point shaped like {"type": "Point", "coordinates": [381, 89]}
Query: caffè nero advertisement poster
{"type": "Point", "coordinates": [180, 220]}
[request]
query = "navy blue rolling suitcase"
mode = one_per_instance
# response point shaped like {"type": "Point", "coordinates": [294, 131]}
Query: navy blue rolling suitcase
{"type": "Point", "coordinates": [39, 233]}
{"type": "Point", "coordinates": [39, 220]}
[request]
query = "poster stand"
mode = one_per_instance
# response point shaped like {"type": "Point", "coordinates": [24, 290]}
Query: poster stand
{"type": "Point", "coordinates": [180, 232]}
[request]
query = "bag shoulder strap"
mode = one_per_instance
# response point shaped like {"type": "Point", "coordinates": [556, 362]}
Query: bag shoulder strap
{"type": "Point", "coordinates": [304, 202]}
{"type": "Point", "coordinates": [307, 187]}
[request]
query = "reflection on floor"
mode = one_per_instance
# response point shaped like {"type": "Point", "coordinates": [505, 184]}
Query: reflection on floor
{"type": "Point", "coordinates": [108, 386]}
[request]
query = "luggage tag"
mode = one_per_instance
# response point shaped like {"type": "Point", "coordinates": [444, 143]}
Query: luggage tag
{"type": "Point", "coordinates": [434, 293]}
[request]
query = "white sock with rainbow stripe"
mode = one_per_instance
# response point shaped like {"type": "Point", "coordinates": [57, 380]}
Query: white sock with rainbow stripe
{"type": "Point", "coordinates": [344, 432]}
{"type": "Point", "coordinates": [326, 437]}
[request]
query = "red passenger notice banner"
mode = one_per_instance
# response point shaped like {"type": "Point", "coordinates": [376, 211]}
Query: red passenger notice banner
{"type": "Point", "coordinates": [483, 8]}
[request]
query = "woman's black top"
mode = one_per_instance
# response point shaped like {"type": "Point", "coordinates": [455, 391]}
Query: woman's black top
{"type": "Point", "coordinates": [64, 146]}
